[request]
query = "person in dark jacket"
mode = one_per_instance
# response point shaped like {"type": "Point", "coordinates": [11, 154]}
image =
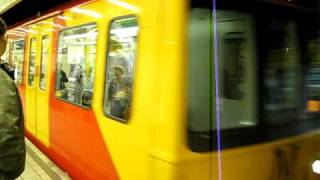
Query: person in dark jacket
{"type": "Point", "coordinates": [63, 78]}
{"type": "Point", "coordinates": [12, 145]}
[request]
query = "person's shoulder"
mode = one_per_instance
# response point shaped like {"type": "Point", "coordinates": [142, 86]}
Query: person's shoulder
{"type": "Point", "coordinates": [7, 69]}
{"type": "Point", "coordinates": [6, 81]}
{"type": "Point", "coordinates": [8, 89]}
{"type": "Point", "coordinates": [4, 76]}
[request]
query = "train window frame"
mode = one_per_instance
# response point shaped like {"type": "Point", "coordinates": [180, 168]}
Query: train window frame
{"type": "Point", "coordinates": [41, 61]}
{"type": "Point", "coordinates": [87, 108]}
{"type": "Point", "coordinates": [109, 28]}
{"type": "Point", "coordinates": [29, 60]}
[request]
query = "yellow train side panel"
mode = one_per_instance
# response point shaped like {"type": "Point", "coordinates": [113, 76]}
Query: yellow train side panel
{"type": "Point", "coordinates": [37, 100]}
{"type": "Point", "coordinates": [42, 106]}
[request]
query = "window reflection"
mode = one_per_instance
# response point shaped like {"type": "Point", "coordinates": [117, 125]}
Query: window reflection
{"type": "Point", "coordinates": [236, 65]}
{"type": "Point", "coordinates": [76, 62]}
{"type": "Point", "coordinates": [281, 72]}
{"type": "Point", "coordinates": [119, 73]}
{"type": "Point", "coordinates": [233, 70]}
{"type": "Point", "coordinates": [18, 58]}
{"type": "Point", "coordinates": [32, 61]}
{"type": "Point", "coordinates": [44, 62]}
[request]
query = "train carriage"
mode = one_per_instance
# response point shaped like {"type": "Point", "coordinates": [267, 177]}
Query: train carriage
{"type": "Point", "coordinates": [173, 89]}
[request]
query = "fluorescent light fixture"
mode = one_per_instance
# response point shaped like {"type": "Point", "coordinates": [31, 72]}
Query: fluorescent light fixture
{"type": "Point", "coordinates": [50, 30]}
{"type": "Point", "coordinates": [45, 22]}
{"type": "Point", "coordinates": [22, 29]}
{"type": "Point", "coordinates": [17, 31]}
{"type": "Point", "coordinates": [316, 166]}
{"type": "Point", "coordinates": [26, 30]}
{"type": "Point", "coordinates": [64, 17]}
{"type": "Point", "coordinates": [34, 26]}
{"type": "Point", "coordinates": [7, 4]}
{"type": "Point", "coordinates": [15, 34]}
{"type": "Point", "coordinates": [78, 36]}
{"type": "Point", "coordinates": [31, 31]}
{"type": "Point", "coordinates": [58, 26]}
{"type": "Point", "coordinates": [123, 4]}
{"type": "Point", "coordinates": [53, 24]}
{"type": "Point", "coordinates": [125, 32]}
{"type": "Point", "coordinates": [22, 33]}
{"type": "Point", "coordinates": [87, 27]}
{"type": "Point", "coordinates": [247, 123]}
{"type": "Point", "coordinates": [86, 12]}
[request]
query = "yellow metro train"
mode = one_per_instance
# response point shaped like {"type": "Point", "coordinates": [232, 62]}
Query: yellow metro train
{"type": "Point", "coordinates": [172, 89]}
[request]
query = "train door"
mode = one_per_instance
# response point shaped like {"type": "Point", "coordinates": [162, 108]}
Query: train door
{"type": "Point", "coordinates": [119, 85]}
{"type": "Point", "coordinates": [31, 84]}
{"type": "Point", "coordinates": [42, 90]}
{"type": "Point", "coordinates": [37, 94]}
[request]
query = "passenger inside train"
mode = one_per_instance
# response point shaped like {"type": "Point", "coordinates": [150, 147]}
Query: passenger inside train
{"type": "Point", "coordinates": [120, 69]}
{"type": "Point", "coordinates": [119, 91]}
{"type": "Point", "coordinates": [62, 78]}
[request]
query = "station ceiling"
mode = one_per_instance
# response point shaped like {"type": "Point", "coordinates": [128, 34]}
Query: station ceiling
{"type": "Point", "coordinates": [28, 9]}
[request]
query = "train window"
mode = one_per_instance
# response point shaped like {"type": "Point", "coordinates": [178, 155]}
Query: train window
{"type": "Point", "coordinates": [281, 72]}
{"type": "Point", "coordinates": [236, 83]}
{"type": "Point", "coordinates": [32, 61]}
{"type": "Point", "coordinates": [17, 59]}
{"type": "Point", "coordinates": [44, 62]}
{"type": "Point", "coordinates": [120, 65]}
{"type": "Point", "coordinates": [75, 63]}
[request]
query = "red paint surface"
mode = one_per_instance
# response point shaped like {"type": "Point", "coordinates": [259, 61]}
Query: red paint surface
{"type": "Point", "coordinates": [76, 137]}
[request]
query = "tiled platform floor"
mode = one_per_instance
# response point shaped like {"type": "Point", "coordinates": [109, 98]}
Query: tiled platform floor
{"type": "Point", "coordinates": [39, 167]}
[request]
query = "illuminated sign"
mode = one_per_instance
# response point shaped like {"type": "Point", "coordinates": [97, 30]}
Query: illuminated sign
{"type": "Point", "coordinates": [7, 4]}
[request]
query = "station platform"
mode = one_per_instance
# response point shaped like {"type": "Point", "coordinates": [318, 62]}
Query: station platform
{"type": "Point", "coordinates": [40, 167]}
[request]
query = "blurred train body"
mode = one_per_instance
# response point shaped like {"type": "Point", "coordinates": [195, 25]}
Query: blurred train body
{"type": "Point", "coordinates": [173, 90]}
